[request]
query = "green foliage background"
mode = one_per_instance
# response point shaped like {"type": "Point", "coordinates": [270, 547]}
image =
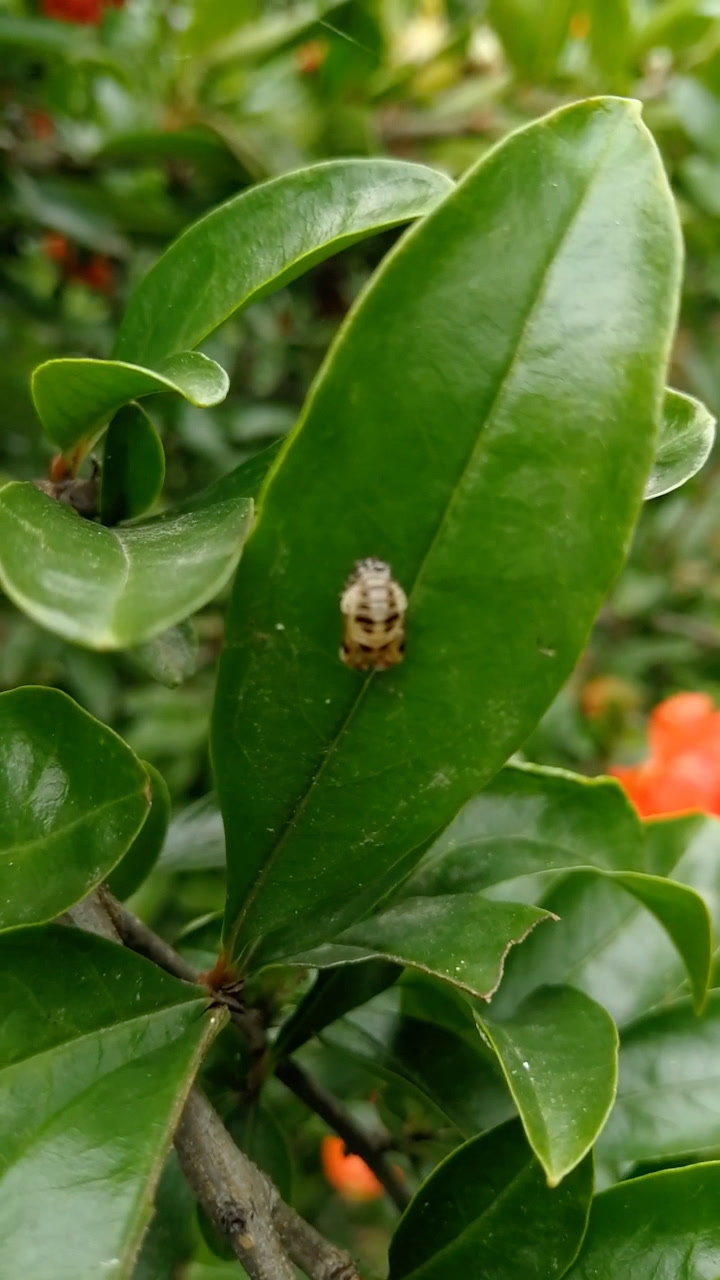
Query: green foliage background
{"type": "Point", "coordinates": [115, 138]}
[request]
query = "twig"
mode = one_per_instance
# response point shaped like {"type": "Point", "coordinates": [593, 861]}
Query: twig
{"type": "Point", "coordinates": [334, 1114]}
{"type": "Point", "coordinates": [138, 937]}
{"type": "Point", "coordinates": [702, 633]}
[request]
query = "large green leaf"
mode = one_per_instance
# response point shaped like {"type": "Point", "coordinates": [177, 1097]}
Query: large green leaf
{"type": "Point", "coordinates": [500, 475]}
{"type": "Point", "coordinates": [261, 240]}
{"type": "Point", "coordinates": [532, 819]}
{"type": "Point", "coordinates": [72, 799]}
{"type": "Point", "coordinates": [559, 1054]}
{"type": "Point", "coordinates": [687, 435]}
{"type": "Point", "coordinates": [662, 1227]}
{"type": "Point", "coordinates": [98, 1049]}
{"type": "Point", "coordinates": [76, 397]}
{"type": "Point", "coordinates": [668, 1102]}
{"type": "Point", "coordinates": [113, 588]}
{"type": "Point", "coordinates": [487, 1211]}
{"type": "Point", "coordinates": [463, 938]}
{"type": "Point", "coordinates": [626, 956]}
{"type": "Point", "coordinates": [445, 1066]}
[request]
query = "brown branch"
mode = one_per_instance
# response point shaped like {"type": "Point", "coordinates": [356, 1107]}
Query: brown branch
{"type": "Point", "coordinates": [325, 1105]}
{"type": "Point", "coordinates": [266, 1235]}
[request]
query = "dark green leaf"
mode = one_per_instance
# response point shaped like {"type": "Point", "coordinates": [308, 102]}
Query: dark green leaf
{"type": "Point", "coordinates": [612, 951]}
{"type": "Point", "coordinates": [334, 993]}
{"type": "Point", "coordinates": [72, 799]}
{"type": "Point", "coordinates": [75, 397]}
{"type": "Point", "coordinates": [559, 1054]}
{"type": "Point", "coordinates": [668, 1103]}
{"type": "Point", "coordinates": [531, 819]}
{"type": "Point", "coordinates": [447, 1065]}
{"type": "Point", "coordinates": [98, 1049]}
{"type": "Point", "coordinates": [143, 853]}
{"type": "Point", "coordinates": [195, 839]}
{"type": "Point", "coordinates": [113, 588]}
{"type": "Point", "coordinates": [663, 1227]}
{"type": "Point", "coordinates": [463, 939]}
{"type": "Point", "coordinates": [133, 466]}
{"type": "Point", "coordinates": [487, 1211]}
{"type": "Point", "coordinates": [501, 480]}
{"type": "Point", "coordinates": [170, 1240]}
{"type": "Point", "coordinates": [687, 434]}
{"type": "Point", "coordinates": [261, 240]}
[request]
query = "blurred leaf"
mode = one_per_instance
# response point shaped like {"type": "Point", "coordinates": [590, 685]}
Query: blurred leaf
{"type": "Point", "coordinates": [133, 466]}
{"type": "Point", "coordinates": [92, 1094]}
{"type": "Point", "coordinates": [73, 797]}
{"type": "Point", "coordinates": [258, 1134]}
{"type": "Point", "coordinates": [663, 1225]}
{"type": "Point", "coordinates": [195, 839]}
{"type": "Point", "coordinates": [334, 993]}
{"type": "Point", "coordinates": [610, 36]}
{"type": "Point", "coordinates": [533, 33]}
{"type": "Point", "coordinates": [169, 1240]}
{"type": "Point", "coordinates": [559, 1055]}
{"type": "Point", "coordinates": [170, 657]}
{"type": "Point", "coordinates": [261, 240]}
{"type": "Point", "coordinates": [113, 588]}
{"type": "Point", "coordinates": [142, 855]}
{"type": "Point", "coordinates": [266, 35]}
{"type": "Point", "coordinates": [75, 397]}
{"type": "Point", "coordinates": [462, 939]}
{"type": "Point", "coordinates": [667, 1105]}
{"type": "Point", "coordinates": [532, 819]}
{"type": "Point", "coordinates": [64, 208]}
{"type": "Point", "coordinates": [487, 1210]}
{"type": "Point", "coordinates": [244, 481]}
{"type": "Point", "coordinates": [687, 435]}
{"type": "Point", "coordinates": [378, 765]}
{"type": "Point", "coordinates": [456, 1075]}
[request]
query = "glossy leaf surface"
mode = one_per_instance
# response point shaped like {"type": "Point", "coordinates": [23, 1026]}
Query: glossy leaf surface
{"type": "Point", "coordinates": [113, 588]}
{"type": "Point", "coordinates": [334, 993]}
{"type": "Point", "coordinates": [502, 490]}
{"type": "Point", "coordinates": [687, 435]}
{"type": "Point", "coordinates": [531, 819]}
{"type": "Point", "coordinates": [622, 954]}
{"type": "Point", "coordinates": [133, 466]}
{"type": "Point", "coordinates": [73, 797]}
{"type": "Point", "coordinates": [662, 1227]}
{"type": "Point", "coordinates": [667, 1104]}
{"type": "Point", "coordinates": [559, 1054]}
{"type": "Point", "coordinates": [75, 397]}
{"type": "Point", "coordinates": [487, 1211]}
{"type": "Point", "coordinates": [261, 240]}
{"type": "Point", "coordinates": [143, 853]}
{"type": "Point", "coordinates": [91, 1096]}
{"type": "Point", "coordinates": [463, 939]}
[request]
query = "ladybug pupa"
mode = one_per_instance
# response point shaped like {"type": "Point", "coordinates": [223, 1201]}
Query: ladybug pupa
{"type": "Point", "coordinates": [373, 606]}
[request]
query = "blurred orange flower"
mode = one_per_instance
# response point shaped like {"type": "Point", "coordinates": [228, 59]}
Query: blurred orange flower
{"type": "Point", "coordinates": [682, 772]}
{"type": "Point", "coordinates": [347, 1173]}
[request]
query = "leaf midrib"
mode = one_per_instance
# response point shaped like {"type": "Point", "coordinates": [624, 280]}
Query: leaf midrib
{"type": "Point", "coordinates": [479, 440]}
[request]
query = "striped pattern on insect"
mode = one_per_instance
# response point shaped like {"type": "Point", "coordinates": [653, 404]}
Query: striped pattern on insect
{"type": "Point", "coordinates": [373, 606]}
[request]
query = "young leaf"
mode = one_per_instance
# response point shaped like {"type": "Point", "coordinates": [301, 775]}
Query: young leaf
{"type": "Point", "coordinates": [92, 1094]}
{"type": "Point", "coordinates": [334, 993]}
{"type": "Point", "coordinates": [133, 466]}
{"type": "Point", "coordinates": [463, 939]}
{"type": "Point", "coordinates": [488, 1211]}
{"type": "Point", "coordinates": [263, 239]}
{"type": "Point", "coordinates": [113, 588]}
{"type": "Point", "coordinates": [559, 1055]}
{"type": "Point", "coordinates": [74, 398]}
{"type": "Point", "coordinates": [501, 479]}
{"type": "Point", "coordinates": [663, 1225]}
{"type": "Point", "coordinates": [73, 797]}
{"type": "Point", "coordinates": [687, 435]}
{"type": "Point", "coordinates": [143, 853]}
{"type": "Point", "coordinates": [668, 1104]}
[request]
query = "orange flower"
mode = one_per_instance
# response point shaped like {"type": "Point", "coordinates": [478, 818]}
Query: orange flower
{"type": "Point", "coordinates": [682, 772]}
{"type": "Point", "coordinates": [347, 1173]}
